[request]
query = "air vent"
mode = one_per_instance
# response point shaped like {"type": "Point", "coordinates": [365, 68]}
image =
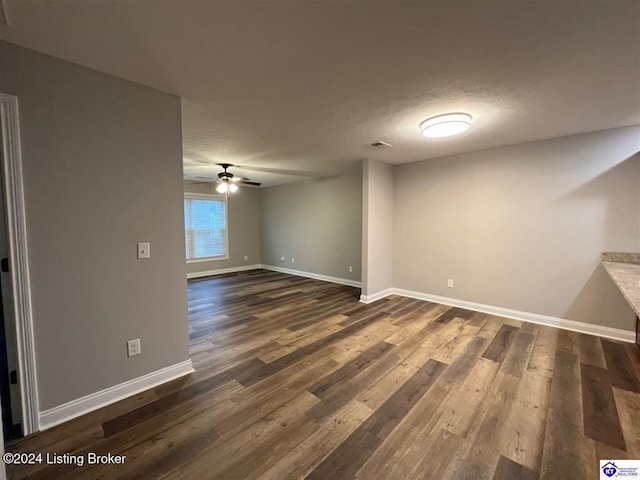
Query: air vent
{"type": "Point", "coordinates": [380, 144]}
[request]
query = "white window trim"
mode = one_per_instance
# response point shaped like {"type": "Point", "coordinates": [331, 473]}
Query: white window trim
{"type": "Point", "coordinates": [209, 196]}
{"type": "Point", "coordinates": [208, 259]}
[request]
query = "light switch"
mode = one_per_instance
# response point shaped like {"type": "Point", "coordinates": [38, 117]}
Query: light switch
{"type": "Point", "coordinates": [144, 250]}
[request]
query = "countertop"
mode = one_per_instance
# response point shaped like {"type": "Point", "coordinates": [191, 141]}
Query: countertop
{"type": "Point", "coordinates": [626, 275]}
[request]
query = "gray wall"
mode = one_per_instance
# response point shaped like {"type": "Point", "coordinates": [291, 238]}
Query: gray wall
{"type": "Point", "coordinates": [102, 171]}
{"type": "Point", "coordinates": [377, 227]}
{"type": "Point", "coordinates": [243, 210]}
{"type": "Point", "coordinates": [317, 222]}
{"type": "Point", "coordinates": [523, 227]}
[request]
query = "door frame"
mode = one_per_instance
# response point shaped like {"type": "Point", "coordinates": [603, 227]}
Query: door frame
{"type": "Point", "coordinates": [18, 254]}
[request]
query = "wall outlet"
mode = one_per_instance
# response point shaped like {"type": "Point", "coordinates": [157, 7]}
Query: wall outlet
{"type": "Point", "coordinates": [350, 268]}
{"type": "Point", "coordinates": [293, 260]}
{"type": "Point", "coordinates": [133, 347]}
{"type": "Point", "coordinates": [246, 257]}
{"type": "Point", "coordinates": [144, 250]}
{"type": "Point", "coordinates": [449, 283]}
{"type": "Point", "coordinates": [282, 259]}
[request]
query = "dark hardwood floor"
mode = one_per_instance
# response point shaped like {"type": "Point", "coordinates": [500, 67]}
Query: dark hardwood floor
{"type": "Point", "coordinates": [296, 379]}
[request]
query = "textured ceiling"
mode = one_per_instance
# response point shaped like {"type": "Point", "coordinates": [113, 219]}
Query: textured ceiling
{"type": "Point", "coordinates": [304, 87]}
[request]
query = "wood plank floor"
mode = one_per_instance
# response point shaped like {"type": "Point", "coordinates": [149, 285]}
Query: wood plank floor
{"type": "Point", "coordinates": [297, 380]}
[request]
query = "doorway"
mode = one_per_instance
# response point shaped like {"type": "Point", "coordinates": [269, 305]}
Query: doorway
{"type": "Point", "coordinates": [9, 388]}
{"type": "Point", "coordinates": [18, 387]}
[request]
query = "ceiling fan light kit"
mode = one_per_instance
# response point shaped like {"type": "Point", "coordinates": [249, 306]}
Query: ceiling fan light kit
{"type": "Point", "coordinates": [226, 187]}
{"type": "Point", "coordinates": [227, 183]}
{"type": "Point", "coordinates": [445, 125]}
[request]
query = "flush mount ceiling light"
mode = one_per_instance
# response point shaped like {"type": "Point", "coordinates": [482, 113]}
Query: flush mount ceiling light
{"type": "Point", "coordinates": [445, 125]}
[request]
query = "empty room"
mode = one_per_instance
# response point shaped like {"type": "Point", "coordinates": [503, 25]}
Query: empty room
{"type": "Point", "coordinates": [320, 240]}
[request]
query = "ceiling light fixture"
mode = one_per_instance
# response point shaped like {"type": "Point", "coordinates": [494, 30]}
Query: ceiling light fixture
{"type": "Point", "coordinates": [225, 186]}
{"type": "Point", "coordinates": [228, 183]}
{"type": "Point", "coordinates": [445, 125]}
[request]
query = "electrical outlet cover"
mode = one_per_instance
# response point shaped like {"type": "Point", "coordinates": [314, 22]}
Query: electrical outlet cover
{"type": "Point", "coordinates": [133, 347]}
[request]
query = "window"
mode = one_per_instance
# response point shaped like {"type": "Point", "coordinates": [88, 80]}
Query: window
{"type": "Point", "coordinates": [205, 225]}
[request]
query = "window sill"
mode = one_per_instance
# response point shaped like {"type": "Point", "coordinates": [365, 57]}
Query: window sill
{"type": "Point", "coordinates": [208, 259]}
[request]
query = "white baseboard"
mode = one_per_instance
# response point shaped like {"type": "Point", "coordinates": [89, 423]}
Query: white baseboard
{"type": "Point", "coordinates": [376, 296]}
{"type": "Point", "coordinates": [220, 271]}
{"type": "Point", "coordinates": [588, 328]}
{"type": "Point", "coordinates": [299, 273]}
{"type": "Point", "coordinates": [315, 276]}
{"type": "Point", "coordinates": [94, 401]}
{"type": "Point", "coordinates": [572, 325]}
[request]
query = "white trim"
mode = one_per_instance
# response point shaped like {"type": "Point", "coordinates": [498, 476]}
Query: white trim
{"type": "Point", "coordinates": [572, 325]}
{"type": "Point", "coordinates": [208, 259]}
{"type": "Point", "coordinates": [299, 273]}
{"type": "Point", "coordinates": [205, 196]}
{"type": "Point", "coordinates": [75, 408]}
{"type": "Point", "coordinates": [18, 253]}
{"type": "Point", "coordinates": [315, 276]}
{"type": "Point", "coordinates": [220, 271]}
{"type": "Point", "coordinates": [376, 296]}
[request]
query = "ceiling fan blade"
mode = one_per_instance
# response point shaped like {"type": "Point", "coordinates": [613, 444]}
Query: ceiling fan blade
{"type": "Point", "coordinates": [248, 182]}
{"type": "Point", "coordinates": [279, 171]}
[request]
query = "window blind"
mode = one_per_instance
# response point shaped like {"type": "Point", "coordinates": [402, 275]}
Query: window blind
{"type": "Point", "coordinates": [205, 222]}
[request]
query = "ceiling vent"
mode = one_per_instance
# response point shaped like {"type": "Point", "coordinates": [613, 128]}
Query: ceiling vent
{"type": "Point", "coordinates": [381, 144]}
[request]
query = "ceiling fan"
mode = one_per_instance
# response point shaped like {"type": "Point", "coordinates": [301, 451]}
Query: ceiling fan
{"type": "Point", "coordinates": [228, 183]}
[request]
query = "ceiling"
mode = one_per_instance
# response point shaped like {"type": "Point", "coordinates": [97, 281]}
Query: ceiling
{"type": "Point", "coordinates": [300, 89]}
